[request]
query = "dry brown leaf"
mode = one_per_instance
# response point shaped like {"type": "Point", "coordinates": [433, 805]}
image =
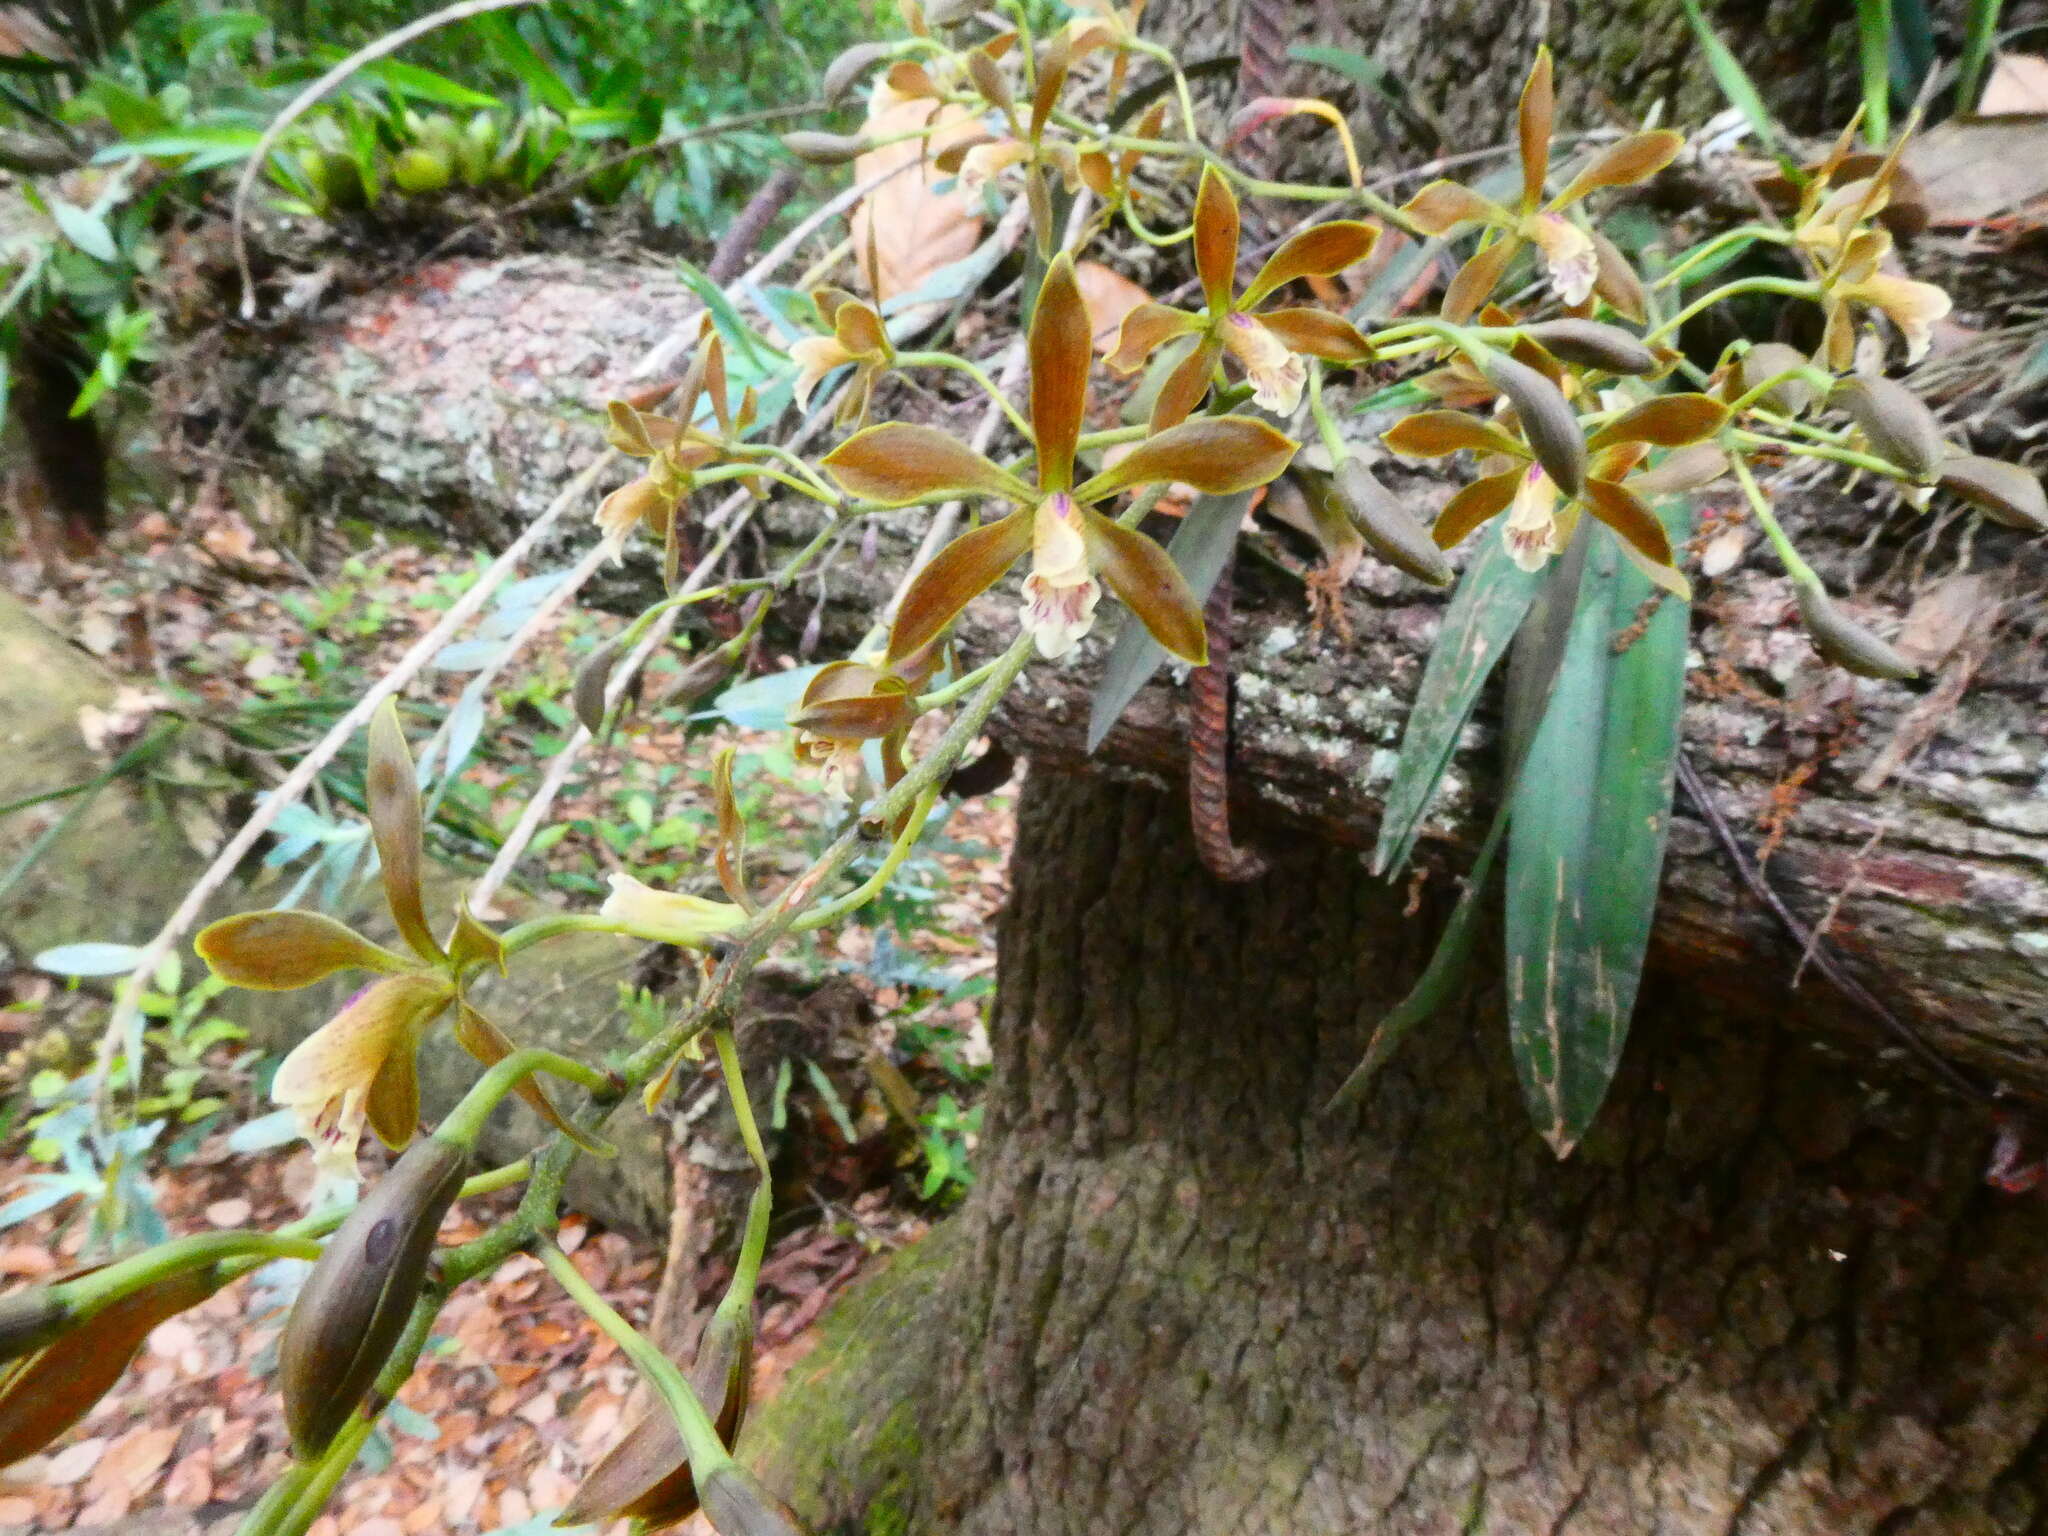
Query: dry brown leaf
{"type": "Point", "coordinates": [2018, 83]}
{"type": "Point", "coordinates": [1109, 296]}
{"type": "Point", "coordinates": [133, 1461]}
{"type": "Point", "coordinates": [1973, 169]}
{"type": "Point", "coordinates": [912, 229]}
{"type": "Point", "coordinates": [73, 1463]}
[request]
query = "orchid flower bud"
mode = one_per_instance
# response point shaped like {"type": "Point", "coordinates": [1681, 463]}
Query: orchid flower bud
{"type": "Point", "coordinates": [355, 1303]}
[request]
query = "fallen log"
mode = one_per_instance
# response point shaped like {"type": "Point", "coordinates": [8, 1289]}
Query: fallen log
{"type": "Point", "coordinates": [1906, 824]}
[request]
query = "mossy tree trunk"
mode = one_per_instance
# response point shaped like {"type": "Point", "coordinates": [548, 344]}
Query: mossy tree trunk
{"type": "Point", "coordinates": [1765, 1295]}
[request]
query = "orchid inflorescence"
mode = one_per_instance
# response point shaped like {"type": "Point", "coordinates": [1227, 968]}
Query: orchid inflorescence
{"type": "Point", "coordinates": [1563, 396]}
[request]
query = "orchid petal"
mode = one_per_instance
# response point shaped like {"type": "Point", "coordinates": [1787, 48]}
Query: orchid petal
{"type": "Point", "coordinates": [1627, 515]}
{"type": "Point", "coordinates": [1477, 279]}
{"type": "Point", "coordinates": [958, 574]}
{"type": "Point", "coordinates": [1062, 341]}
{"type": "Point", "coordinates": [1317, 333]}
{"type": "Point", "coordinates": [1145, 580]}
{"type": "Point", "coordinates": [1432, 434]}
{"type": "Point", "coordinates": [1316, 252]}
{"type": "Point", "coordinates": [897, 463]}
{"type": "Point", "coordinates": [1442, 206]}
{"type": "Point", "coordinates": [1216, 239]}
{"type": "Point", "coordinates": [1669, 421]}
{"type": "Point", "coordinates": [1475, 504]}
{"type": "Point", "coordinates": [283, 950]}
{"type": "Point", "coordinates": [1217, 455]}
{"type": "Point", "coordinates": [1533, 119]}
{"type": "Point", "coordinates": [396, 824]}
{"type": "Point", "coordinates": [1145, 330]}
{"type": "Point", "coordinates": [1185, 386]}
{"type": "Point", "coordinates": [1624, 163]}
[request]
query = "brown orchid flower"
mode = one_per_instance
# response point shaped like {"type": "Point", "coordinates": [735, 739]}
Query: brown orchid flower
{"type": "Point", "coordinates": [1577, 262]}
{"type": "Point", "coordinates": [675, 448]}
{"type": "Point", "coordinates": [1911, 305]}
{"type": "Point", "coordinates": [361, 1065]}
{"type": "Point", "coordinates": [1069, 540]}
{"type": "Point", "coordinates": [858, 337]}
{"type": "Point", "coordinates": [1269, 345]}
{"type": "Point", "coordinates": [1541, 516]}
{"type": "Point", "coordinates": [850, 703]}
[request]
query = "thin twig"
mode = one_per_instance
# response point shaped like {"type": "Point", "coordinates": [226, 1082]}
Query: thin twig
{"type": "Point", "coordinates": [1822, 955]}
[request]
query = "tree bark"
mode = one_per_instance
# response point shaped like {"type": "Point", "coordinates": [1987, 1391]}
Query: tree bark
{"type": "Point", "coordinates": [1767, 1294]}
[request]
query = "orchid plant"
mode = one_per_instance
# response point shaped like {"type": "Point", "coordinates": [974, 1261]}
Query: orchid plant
{"type": "Point", "coordinates": [1586, 425]}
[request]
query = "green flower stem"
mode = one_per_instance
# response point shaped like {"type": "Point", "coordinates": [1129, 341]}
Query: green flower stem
{"type": "Point", "coordinates": [725, 472]}
{"type": "Point", "coordinates": [1818, 378]}
{"type": "Point", "coordinates": [1138, 227]}
{"type": "Point", "coordinates": [90, 1293]}
{"type": "Point", "coordinates": [1326, 426]}
{"type": "Point", "coordinates": [1710, 248]}
{"type": "Point", "coordinates": [1112, 435]}
{"type": "Point", "coordinates": [1828, 451]}
{"type": "Point", "coordinates": [975, 372]}
{"type": "Point", "coordinates": [277, 1501]}
{"type": "Point", "coordinates": [1161, 54]}
{"type": "Point", "coordinates": [540, 929]}
{"type": "Point", "coordinates": [465, 1122]}
{"type": "Point", "coordinates": [1790, 287]}
{"type": "Point", "coordinates": [824, 489]}
{"type": "Point", "coordinates": [742, 1104]}
{"type": "Point", "coordinates": [959, 688]}
{"type": "Point", "coordinates": [1795, 567]}
{"type": "Point", "coordinates": [870, 888]}
{"type": "Point", "coordinates": [700, 1438]}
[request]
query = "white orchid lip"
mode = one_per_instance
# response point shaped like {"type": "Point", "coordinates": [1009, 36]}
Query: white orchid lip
{"type": "Point", "coordinates": [1531, 530]}
{"type": "Point", "coordinates": [1569, 255]}
{"type": "Point", "coordinates": [1277, 375]}
{"type": "Point", "coordinates": [1061, 592]}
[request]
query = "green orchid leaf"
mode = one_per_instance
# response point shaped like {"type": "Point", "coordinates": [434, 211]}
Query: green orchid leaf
{"type": "Point", "coordinates": [1583, 867]}
{"type": "Point", "coordinates": [1492, 598]}
{"type": "Point", "coordinates": [1201, 548]}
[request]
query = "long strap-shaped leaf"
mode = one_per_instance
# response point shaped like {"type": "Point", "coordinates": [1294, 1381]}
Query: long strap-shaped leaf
{"type": "Point", "coordinates": [1201, 548]}
{"type": "Point", "coordinates": [1493, 596]}
{"type": "Point", "coordinates": [1589, 818]}
{"type": "Point", "coordinates": [1543, 626]}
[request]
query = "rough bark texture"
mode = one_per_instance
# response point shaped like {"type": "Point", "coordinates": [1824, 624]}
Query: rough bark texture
{"type": "Point", "coordinates": [1767, 1295]}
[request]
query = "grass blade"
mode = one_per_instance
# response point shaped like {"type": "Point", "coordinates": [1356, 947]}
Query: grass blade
{"type": "Point", "coordinates": [1583, 868]}
{"type": "Point", "coordinates": [1874, 55]}
{"type": "Point", "coordinates": [1493, 596]}
{"type": "Point", "coordinates": [1733, 79]}
{"type": "Point", "coordinates": [1980, 32]}
{"type": "Point", "coordinates": [1201, 547]}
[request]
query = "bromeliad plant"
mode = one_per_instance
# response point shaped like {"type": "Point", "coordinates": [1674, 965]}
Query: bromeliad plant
{"type": "Point", "coordinates": [1588, 432]}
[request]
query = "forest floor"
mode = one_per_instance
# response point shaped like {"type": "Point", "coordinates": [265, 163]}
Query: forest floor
{"type": "Point", "coordinates": [520, 1394]}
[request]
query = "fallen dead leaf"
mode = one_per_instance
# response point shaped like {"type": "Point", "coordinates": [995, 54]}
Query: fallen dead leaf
{"type": "Point", "coordinates": [1973, 169]}
{"type": "Point", "coordinates": [913, 229]}
{"type": "Point", "coordinates": [233, 1212]}
{"type": "Point", "coordinates": [74, 1462]}
{"type": "Point", "coordinates": [133, 1461]}
{"type": "Point", "coordinates": [2018, 83]}
{"type": "Point", "coordinates": [1109, 296]}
